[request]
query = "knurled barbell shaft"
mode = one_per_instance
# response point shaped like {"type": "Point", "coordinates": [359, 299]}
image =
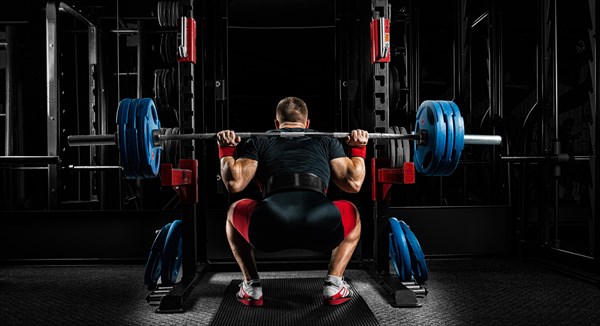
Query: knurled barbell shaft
{"type": "Point", "coordinates": [111, 139]}
{"type": "Point", "coordinates": [285, 134]}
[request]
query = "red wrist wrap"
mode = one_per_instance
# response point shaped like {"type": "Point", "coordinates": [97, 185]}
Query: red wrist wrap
{"type": "Point", "coordinates": [226, 151]}
{"type": "Point", "coordinates": [360, 151]}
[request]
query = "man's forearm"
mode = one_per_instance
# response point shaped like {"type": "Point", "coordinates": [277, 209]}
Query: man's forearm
{"type": "Point", "coordinates": [356, 172]}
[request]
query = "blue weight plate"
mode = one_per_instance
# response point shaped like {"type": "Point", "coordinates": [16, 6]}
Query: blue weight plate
{"type": "Point", "coordinates": [417, 258]}
{"type": "Point", "coordinates": [459, 138]}
{"type": "Point", "coordinates": [141, 112]}
{"type": "Point", "coordinates": [141, 118]}
{"type": "Point", "coordinates": [147, 122]}
{"type": "Point", "coordinates": [394, 255]}
{"type": "Point", "coordinates": [172, 254]}
{"type": "Point", "coordinates": [132, 140]}
{"type": "Point", "coordinates": [122, 112]}
{"type": "Point", "coordinates": [446, 160]}
{"type": "Point", "coordinates": [430, 118]}
{"type": "Point", "coordinates": [401, 251]}
{"type": "Point", "coordinates": [153, 265]}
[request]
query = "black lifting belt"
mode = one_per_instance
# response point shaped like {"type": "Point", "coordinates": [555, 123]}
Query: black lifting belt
{"type": "Point", "coordinates": [304, 181]}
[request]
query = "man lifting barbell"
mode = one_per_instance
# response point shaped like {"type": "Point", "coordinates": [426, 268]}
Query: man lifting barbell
{"type": "Point", "coordinates": [293, 174]}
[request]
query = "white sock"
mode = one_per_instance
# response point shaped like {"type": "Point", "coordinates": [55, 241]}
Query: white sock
{"type": "Point", "coordinates": [252, 289]}
{"type": "Point", "coordinates": [336, 280]}
{"type": "Point", "coordinates": [250, 282]}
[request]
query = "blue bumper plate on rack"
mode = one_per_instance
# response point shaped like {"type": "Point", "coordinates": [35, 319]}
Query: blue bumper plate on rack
{"type": "Point", "coordinates": [417, 258]}
{"type": "Point", "coordinates": [399, 252]}
{"type": "Point", "coordinates": [153, 265]}
{"type": "Point", "coordinates": [172, 254]}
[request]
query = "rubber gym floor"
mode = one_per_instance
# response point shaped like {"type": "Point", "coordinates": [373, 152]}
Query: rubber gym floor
{"type": "Point", "coordinates": [474, 291]}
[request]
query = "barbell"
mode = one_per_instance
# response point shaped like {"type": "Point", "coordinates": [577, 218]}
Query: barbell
{"type": "Point", "coordinates": [438, 138]}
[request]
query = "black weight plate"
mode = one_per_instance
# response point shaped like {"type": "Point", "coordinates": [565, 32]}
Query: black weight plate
{"type": "Point", "coordinates": [392, 146]}
{"type": "Point", "coordinates": [159, 12]}
{"type": "Point", "coordinates": [405, 145]}
{"type": "Point", "coordinates": [176, 147]}
{"type": "Point", "coordinates": [167, 148]}
{"type": "Point", "coordinates": [399, 149]}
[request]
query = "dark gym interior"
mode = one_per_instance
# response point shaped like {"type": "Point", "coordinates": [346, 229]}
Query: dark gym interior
{"type": "Point", "coordinates": [509, 231]}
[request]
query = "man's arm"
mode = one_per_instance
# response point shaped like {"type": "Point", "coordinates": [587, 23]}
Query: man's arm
{"type": "Point", "coordinates": [236, 174]}
{"type": "Point", "coordinates": [348, 173]}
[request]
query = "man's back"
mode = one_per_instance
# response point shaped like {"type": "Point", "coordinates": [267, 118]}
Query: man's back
{"type": "Point", "coordinates": [282, 155]}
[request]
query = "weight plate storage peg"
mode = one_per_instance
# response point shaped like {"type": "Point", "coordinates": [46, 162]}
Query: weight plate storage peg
{"type": "Point", "coordinates": [428, 154]}
{"type": "Point", "coordinates": [399, 252]}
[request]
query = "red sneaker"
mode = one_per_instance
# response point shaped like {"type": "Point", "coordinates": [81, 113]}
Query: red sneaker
{"type": "Point", "coordinates": [250, 293]}
{"type": "Point", "coordinates": [335, 291]}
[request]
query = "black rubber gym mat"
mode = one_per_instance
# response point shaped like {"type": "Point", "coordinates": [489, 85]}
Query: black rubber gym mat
{"type": "Point", "coordinates": [293, 302]}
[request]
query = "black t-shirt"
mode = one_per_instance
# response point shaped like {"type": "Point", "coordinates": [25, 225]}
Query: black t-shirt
{"type": "Point", "coordinates": [283, 155]}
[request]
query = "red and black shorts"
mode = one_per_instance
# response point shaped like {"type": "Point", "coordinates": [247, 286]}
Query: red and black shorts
{"type": "Point", "coordinates": [294, 219]}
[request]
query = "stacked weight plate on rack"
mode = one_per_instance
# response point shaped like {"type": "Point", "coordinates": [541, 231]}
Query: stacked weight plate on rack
{"type": "Point", "coordinates": [167, 13]}
{"type": "Point", "coordinates": [166, 95]}
{"type": "Point", "coordinates": [165, 89]}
